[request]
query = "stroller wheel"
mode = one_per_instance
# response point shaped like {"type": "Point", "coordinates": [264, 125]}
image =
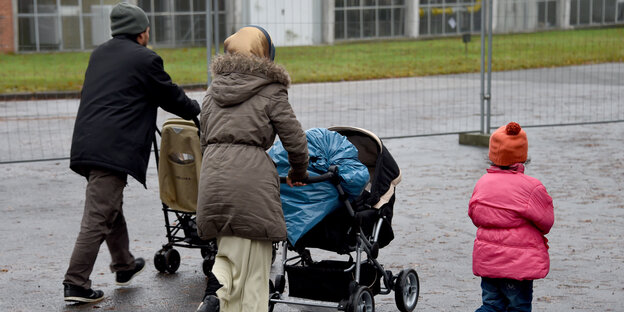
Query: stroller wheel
{"type": "Point", "coordinates": [172, 260]}
{"type": "Point", "coordinates": [361, 300]}
{"type": "Point", "coordinates": [406, 290]}
{"type": "Point", "coordinates": [160, 262]}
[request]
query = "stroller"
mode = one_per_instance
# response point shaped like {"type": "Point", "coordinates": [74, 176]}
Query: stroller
{"type": "Point", "coordinates": [359, 226]}
{"type": "Point", "coordinates": [179, 164]}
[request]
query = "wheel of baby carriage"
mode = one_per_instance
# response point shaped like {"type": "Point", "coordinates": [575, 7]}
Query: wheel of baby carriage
{"type": "Point", "coordinates": [160, 262]}
{"type": "Point", "coordinates": [167, 260]}
{"type": "Point", "coordinates": [173, 260]}
{"type": "Point", "coordinates": [406, 290]}
{"type": "Point", "coordinates": [361, 300]}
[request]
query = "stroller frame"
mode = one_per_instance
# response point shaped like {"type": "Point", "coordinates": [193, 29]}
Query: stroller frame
{"type": "Point", "coordinates": [167, 259]}
{"type": "Point", "coordinates": [405, 284]}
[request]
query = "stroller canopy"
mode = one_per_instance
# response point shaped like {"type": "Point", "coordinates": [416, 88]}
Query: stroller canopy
{"type": "Point", "coordinates": [305, 206]}
{"type": "Point", "coordinates": [383, 169]}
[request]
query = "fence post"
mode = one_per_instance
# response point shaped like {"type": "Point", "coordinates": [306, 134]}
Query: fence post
{"type": "Point", "coordinates": [216, 26]}
{"type": "Point", "coordinates": [483, 137]}
{"type": "Point", "coordinates": [488, 95]}
{"type": "Point", "coordinates": [483, 33]}
{"type": "Point", "coordinates": [208, 41]}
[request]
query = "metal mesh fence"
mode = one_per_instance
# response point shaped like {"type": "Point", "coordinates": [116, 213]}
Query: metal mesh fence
{"type": "Point", "coordinates": [532, 94]}
{"type": "Point", "coordinates": [559, 93]}
{"type": "Point", "coordinates": [35, 129]}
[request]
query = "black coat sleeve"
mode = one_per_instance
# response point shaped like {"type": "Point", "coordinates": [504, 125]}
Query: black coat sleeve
{"type": "Point", "coordinates": [167, 94]}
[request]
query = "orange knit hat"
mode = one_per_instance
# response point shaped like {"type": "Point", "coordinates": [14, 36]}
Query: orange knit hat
{"type": "Point", "coordinates": [508, 145]}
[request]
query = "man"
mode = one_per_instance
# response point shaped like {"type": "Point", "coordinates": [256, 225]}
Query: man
{"type": "Point", "coordinates": [124, 85]}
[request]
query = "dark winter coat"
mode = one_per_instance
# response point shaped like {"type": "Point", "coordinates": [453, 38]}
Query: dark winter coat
{"type": "Point", "coordinates": [244, 108]}
{"type": "Point", "coordinates": [124, 85]}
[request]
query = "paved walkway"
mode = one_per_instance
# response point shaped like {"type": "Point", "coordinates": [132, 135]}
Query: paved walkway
{"type": "Point", "coordinates": [581, 166]}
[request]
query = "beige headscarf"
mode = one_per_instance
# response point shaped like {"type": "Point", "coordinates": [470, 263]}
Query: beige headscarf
{"type": "Point", "coordinates": [249, 41]}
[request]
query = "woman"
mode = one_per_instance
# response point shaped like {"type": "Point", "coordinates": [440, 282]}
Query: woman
{"type": "Point", "coordinates": [244, 109]}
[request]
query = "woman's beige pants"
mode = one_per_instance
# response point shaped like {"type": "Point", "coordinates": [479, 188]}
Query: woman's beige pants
{"type": "Point", "coordinates": [242, 266]}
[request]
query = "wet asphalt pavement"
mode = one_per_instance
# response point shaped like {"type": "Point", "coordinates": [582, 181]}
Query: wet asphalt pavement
{"type": "Point", "coordinates": [582, 167]}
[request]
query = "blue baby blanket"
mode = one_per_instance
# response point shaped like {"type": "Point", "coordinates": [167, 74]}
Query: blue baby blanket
{"type": "Point", "coordinates": [305, 206]}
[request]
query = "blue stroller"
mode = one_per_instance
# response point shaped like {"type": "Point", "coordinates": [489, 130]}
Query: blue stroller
{"type": "Point", "coordinates": [361, 225]}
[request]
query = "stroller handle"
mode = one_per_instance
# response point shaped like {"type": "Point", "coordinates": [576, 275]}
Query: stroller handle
{"type": "Point", "coordinates": [330, 175]}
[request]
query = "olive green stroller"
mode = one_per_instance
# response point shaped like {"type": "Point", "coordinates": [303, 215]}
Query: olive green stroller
{"type": "Point", "coordinates": [179, 163]}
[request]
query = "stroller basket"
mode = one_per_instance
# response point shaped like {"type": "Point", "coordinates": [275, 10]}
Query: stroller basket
{"type": "Point", "coordinates": [329, 280]}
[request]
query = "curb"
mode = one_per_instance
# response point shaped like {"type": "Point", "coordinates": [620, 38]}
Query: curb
{"type": "Point", "coordinates": [475, 139]}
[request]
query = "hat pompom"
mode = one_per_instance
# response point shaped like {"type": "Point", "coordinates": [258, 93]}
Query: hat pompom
{"type": "Point", "coordinates": [513, 128]}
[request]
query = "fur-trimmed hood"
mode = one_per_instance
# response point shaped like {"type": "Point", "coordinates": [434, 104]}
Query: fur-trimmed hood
{"type": "Point", "coordinates": [236, 77]}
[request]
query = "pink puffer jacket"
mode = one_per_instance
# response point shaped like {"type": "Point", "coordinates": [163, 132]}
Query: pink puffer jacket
{"type": "Point", "coordinates": [513, 212]}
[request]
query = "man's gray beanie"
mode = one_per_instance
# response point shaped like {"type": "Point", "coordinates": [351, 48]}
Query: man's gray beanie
{"type": "Point", "coordinates": [128, 19]}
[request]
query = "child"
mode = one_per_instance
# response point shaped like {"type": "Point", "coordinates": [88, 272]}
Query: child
{"type": "Point", "coordinates": [512, 212]}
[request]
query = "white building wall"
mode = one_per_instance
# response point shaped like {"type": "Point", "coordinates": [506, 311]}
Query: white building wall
{"type": "Point", "coordinates": [514, 16]}
{"type": "Point", "coordinates": [412, 19]}
{"type": "Point", "coordinates": [290, 23]}
{"type": "Point", "coordinates": [563, 14]}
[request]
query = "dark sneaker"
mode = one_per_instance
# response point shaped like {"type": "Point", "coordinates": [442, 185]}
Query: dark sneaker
{"type": "Point", "coordinates": [122, 278]}
{"type": "Point", "coordinates": [210, 304]}
{"type": "Point", "coordinates": [75, 293]}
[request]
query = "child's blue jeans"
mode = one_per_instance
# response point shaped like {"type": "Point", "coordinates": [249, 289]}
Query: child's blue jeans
{"type": "Point", "coordinates": [502, 294]}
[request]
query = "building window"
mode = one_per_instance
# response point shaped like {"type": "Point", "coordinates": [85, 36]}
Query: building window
{"type": "Point", "coordinates": [547, 14]}
{"type": "Point", "coordinates": [63, 25]}
{"type": "Point", "coordinates": [449, 17]}
{"type": "Point", "coordinates": [181, 22]}
{"type": "Point", "coordinates": [596, 12]}
{"type": "Point", "coordinates": [363, 19]}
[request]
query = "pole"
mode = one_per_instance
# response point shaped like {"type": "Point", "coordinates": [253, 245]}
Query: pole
{"type": "Point", "coordinates": [208, 41]}
{"type": "Point", "coordinates": [36, 12]}
{"type": "Point", "coordinates": [489, 75]}
{"type": "Point", "coordinates": [216, 26]}
{"type": "Point", "coordinates": [482, 123]}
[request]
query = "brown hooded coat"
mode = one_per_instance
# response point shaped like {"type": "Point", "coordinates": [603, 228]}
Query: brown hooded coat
{"type": "Point", "coordinates": [244, 109]}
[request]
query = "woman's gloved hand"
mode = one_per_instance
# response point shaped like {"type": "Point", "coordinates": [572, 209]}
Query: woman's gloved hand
{"type": "Point", "coordinates": [296, 178]}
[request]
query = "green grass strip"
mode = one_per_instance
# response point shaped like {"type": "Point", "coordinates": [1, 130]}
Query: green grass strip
{"type": "Point", "coordinates": [346, 61]}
